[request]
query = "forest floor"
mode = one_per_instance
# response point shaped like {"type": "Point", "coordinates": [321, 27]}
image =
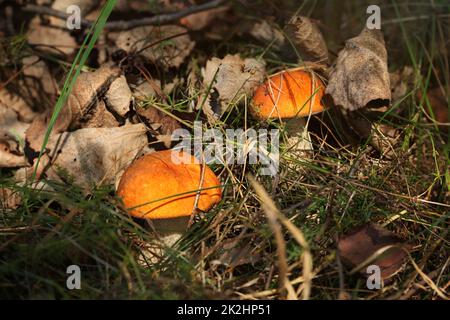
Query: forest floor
{"type": "Point", "coordinates": [295, 234]}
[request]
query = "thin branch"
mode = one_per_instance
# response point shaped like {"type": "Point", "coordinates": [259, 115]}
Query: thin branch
{"type": "Point", "coordinates": [126, 25]}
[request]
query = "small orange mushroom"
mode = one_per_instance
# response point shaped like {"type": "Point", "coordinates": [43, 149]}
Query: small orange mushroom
{"type": "Point", "coordinates": [292, 93]}
{"type": "Point", "coordinates": [165, 184]}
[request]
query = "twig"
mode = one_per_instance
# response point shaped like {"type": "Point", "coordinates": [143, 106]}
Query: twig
{"type": "Point", "coordinates": [126, 25]}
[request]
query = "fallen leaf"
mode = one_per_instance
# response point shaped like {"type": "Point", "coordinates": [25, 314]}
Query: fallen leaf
{"type": "Point", "coordinates": [202, 19]}
{"type": "Point", "coordinates": [16, 103]}
{"type": "Point", "coordinates": [168, 53]}
{"type": "Point", "coordinates": [84, 5]}
{"type": "Point", "coordinates": [36, 70]}
{"type": "Point", "coordinates": [36, 131]}
{"type": "Point", "coordinates": [267, 34]}
{"type": "Point", "coordinates": [229, 79]}
{"type": "Point", "coordinates": [9, 199]}
{"type": "Point", "coordinates": [100, 117]}
{"type": "Point", "coordinates": [94, 156]}
{"type": "Point", "coordinates": [305, 35]}
{"type": "Point", "coordinates": [402, 82]}
{"type": "Point", "coordinates": [10, 126]}
{"type": "Point", "coordinates": [52, 38]}
{"type": "Point", "coordinates": [119, 96]}
{"type": "Point", "coordinates": [12, 134]}
{"type": "Point", "coordinates": [438, 98]}
{"type": "Point", "coordinates": [235, 253]}
{"type": "Point", "coordinates": [384, 138]}
{"type": "Point", "coordinates": [360, 76]}
{"type": "Point", "coordinates": [8, 159]}
{"type": "Point", "coordinates": [84, 107]}
{"type": "Point", "coordinates": [89, 89]}
{"type": "Point", "coordinates": [364, 241]}
{"type": "Point", "coordinates": [158, 120]}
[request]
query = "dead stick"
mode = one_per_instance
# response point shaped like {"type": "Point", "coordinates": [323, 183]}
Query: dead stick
{"type": "Point", "coordinates": [126, 25]}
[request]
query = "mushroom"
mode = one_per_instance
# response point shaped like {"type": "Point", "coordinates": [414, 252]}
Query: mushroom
{"type": "Point", "coordinates": [167, 188]}
{"type": "Point", "coordinates": [293, 94]}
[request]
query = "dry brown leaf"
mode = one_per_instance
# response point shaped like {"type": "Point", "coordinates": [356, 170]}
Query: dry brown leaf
{"type": "Point", "coordinates": [363, 243]}
{"type": "Point", "coordinates": [12, 133]}
{"type": "Point", "coordinates": [24, 175]}
{"type": "Point", "coordinates": [202, 19]}
{"type": "Point", "coordinates": [10, 126]}
{"type": "Point", "coordinates": [8, 159]}
{"type": "Point", "coordinates": [229, 79]}
{"type": "Point", "coordinates": [52, 38]}
{"type": "Point", "coordinates": [84, 5]}
{"type": "Point", "coordinates": [9, 199]}
{"type": "Point", "coordinates": [267, 34]}
{"type": "Point", "coordinates": [36, 69]}
{"type": "Point", "coordinates": [158, 120]}
{"type": "Point", "coordinates": [170, 53]}
{"type": "Point", "coordinates": [94, 156]}
{"type": "Point", "coordinates": [89, 89]}
{"type": "Point", "coordinates": [36, 131]}
{"type": "Point", "coordinates": [438, 98]}
{"type": "Point", "coordinates": [360, 77]}
{"type": "Point", "coordinates": [119, 96]}
{"type": "Point", "coordinates": [235, 253]}
{"type": "Point", "coordinates": [384, 139]}
{"type": "Point", "coordinates": [16, 103]}
{"type": "Point", "coordinates": [305, 35]}
{"type": "Point", "coordinates": [84, 107]}
{"type": "Point", "coordinates": [401, 81]}
{"type": "Point", "coordinates": [148, 89]}
{"type": "Point", "coordinates": [100, 117]}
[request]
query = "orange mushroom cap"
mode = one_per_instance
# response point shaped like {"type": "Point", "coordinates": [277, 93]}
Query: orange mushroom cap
{"type": "Point", "coordinates": [156, 187]}
{"type": "Point", "coordinates": [288, 94]}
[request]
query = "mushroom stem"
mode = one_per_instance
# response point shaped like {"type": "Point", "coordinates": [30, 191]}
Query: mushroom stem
{"type": "Point", "coordinates": [299, 141]}
{"type": "Point", "coordinates": [168, 232]}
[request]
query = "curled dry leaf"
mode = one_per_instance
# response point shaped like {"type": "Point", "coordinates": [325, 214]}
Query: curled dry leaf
{"type": "Point", "coordinates": [94, 156]}
{"type": "Point", "coordinates": [229, 79]}
{"type": "Point", "coordinates": [88, 90]}
{"type": "Point", "coordinates": [360, 77]}
{"type": "Point", "coordinates": [305, 35]}
{"type": "Point", "coordinates": [170, 53]}
{"type": "Point", "coordinates": [365, 242]}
